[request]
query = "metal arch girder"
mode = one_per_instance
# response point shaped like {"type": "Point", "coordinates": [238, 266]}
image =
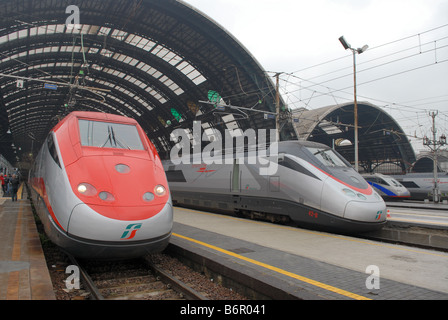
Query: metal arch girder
{"type": "Point", "coordinates": [174, 24]}
{"type": "Point", "coordinates": [373, 145]}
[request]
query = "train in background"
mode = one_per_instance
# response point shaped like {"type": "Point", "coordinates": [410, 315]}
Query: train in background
{"type": "Point", "coordinates": [99, 188]}
{"type": "Point", "coordinates": [387, 187]}
{"type": "Point", "coordinates": [421, 185]}
{"type": "Point", "coordinates": [420, 181]}
{"type": "Point", "coordinates": [313, 186]}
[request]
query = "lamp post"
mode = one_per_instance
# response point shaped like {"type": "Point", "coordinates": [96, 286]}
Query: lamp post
{"type": "Point", "coordinates": [346, 46]}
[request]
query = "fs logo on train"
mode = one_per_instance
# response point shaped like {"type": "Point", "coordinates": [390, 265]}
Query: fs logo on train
{"type": "Point", "coordinates": [130, 231]}
{"type": "Point", "coordinates": [378, 215]}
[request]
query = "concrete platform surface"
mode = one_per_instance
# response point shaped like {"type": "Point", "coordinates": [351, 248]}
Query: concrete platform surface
{"type": "Point", "coordinates": [23, 270]}
{"type": "Point", "coordinates": [404, 272]}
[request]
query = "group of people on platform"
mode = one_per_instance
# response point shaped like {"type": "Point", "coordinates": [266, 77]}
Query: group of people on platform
{"type": "Point", "coordinates": [10, 185]}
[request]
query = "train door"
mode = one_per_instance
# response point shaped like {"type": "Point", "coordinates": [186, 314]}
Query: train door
{"type": "Point", "coordinates": [235, 177]}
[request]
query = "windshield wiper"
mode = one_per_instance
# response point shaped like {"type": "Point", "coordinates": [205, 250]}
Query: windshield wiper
{"type": "Point", "coordinates": [109, 137]}
{"type": "Point", "coordinates": [114, 141]}
{"type": "Point", "coordinates": [121, 143]}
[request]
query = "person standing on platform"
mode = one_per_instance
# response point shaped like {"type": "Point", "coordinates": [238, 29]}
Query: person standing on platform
{"type": "Point", "coordinates": [8, 182]}
{"type": "Point", "coordinates": [15, 187]}
{"type": "Point", "coordinates": [2, 179]}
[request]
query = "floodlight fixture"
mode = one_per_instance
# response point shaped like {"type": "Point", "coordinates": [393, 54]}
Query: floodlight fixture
{"type": "Point", "coordinates": [363, 49]}
{"type": "Point", "coordinates": [344, 43]}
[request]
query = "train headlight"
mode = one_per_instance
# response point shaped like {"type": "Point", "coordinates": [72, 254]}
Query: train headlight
{"type": "Point", "coordinates": [362, 197]}
{"type": "Point", "coordinates": [86, 189]}
{"type": "Point", "coordinates": [349, 193]}
{"type": "Point", "coordinates": [106, 196]}
{"type": "Point", "coordinates": [160, 190]}
{"type": "Point", "coordinates": [148, 196]}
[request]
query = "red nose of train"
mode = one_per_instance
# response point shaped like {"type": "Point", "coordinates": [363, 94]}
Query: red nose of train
{"type": "Point", "coordinates": [121, 188]}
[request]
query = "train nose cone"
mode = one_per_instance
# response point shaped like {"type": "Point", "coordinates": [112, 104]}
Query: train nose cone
{"type": "Point", "coordinates": [366, 211]}
{"type": "Point", "coordinates": [87, 224]}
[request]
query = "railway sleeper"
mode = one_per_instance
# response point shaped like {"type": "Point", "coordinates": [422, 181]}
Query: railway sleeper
{"type": "Point", "coordinates": [119, 282]}
{"type": "Point", "coordinates": [138, 291]}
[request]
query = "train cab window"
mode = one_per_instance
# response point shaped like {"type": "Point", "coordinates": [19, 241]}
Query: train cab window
{"type": "Point", "coordinates": [394, 182]}
{"type": "Point", "coordinates": [327, 157]}
{"type": "Point", "coordinates": [372, 179]}
{"type": "Point", "coordinates": [109, 135]}
{"type": "Point", "coordinates": [52, 149]}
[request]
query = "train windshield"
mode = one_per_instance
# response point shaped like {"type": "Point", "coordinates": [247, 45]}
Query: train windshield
{"type": "Point", "coordinates": [109, 135]}
{"type": "Point", "coordinates": [327, 157]}
{"type": "Point", "coordinates": [392, 182]}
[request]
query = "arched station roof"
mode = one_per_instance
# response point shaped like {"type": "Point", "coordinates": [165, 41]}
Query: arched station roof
{"type": "Point", "coordinates": [151, 60]}
{"type": "Point", "coordinates": [380, 138]}
{"type": "Point", "coordinates": [425, 162]}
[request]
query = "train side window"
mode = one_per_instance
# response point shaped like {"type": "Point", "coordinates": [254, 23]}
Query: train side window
{"type": "Point", "coordinates": [410, 184]}
{"type": "Point", "coordinates": [52, 149]}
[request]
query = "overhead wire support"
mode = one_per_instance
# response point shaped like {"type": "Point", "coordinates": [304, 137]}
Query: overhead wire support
{"type": "Point", "coordinates": [223, 105]}
{"type": "Point", "coordinates": [54, 82]}
{"type": "Point", "coordinates": [435, 145]}
{"type": "Point", "coordinates": [277, 106]}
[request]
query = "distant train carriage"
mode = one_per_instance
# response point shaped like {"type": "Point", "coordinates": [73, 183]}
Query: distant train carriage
{"type": "Point", "coordinates": [421, 185]}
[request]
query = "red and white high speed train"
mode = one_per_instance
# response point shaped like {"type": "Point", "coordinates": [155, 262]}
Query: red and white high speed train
{"type": "Point", "coordinates": [99, 187]}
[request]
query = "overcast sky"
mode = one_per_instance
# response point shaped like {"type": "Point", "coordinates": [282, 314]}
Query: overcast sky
{"type": "Point", "coordinates": [404, 71]}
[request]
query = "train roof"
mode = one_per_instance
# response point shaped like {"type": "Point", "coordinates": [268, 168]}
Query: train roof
{"type": "Point", "coordinates": [304, 143]}
{"type": "Point", "coordinates": [100, 116]}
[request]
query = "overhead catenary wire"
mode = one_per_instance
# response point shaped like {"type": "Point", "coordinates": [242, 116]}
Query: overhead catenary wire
{"type": "Point", "coordinates": [383, 57]}
{"type": "Point", "coordinates": [421, 47]}
{"type": "Point", "coordinates": [372, 48]}
{"type": "Point", "coordinates": [313, 84]}
{"type": "Point", "coordinates": [342, 90]}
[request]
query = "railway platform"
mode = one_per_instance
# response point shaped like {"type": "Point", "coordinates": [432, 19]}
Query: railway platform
{"type": "Point", "coordinates": [419, 205]}
{"type": "Point", "coordinates": [283, 262]}
{"type": "Point", "coordinates": [23, 269]}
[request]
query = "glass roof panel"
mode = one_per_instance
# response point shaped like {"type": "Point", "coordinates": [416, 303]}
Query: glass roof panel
{"type": "Point", "coordinates": [135, 40]}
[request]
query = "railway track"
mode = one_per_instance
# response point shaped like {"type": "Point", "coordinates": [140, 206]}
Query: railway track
{"type": "Point", "coordinates": [136, 279]}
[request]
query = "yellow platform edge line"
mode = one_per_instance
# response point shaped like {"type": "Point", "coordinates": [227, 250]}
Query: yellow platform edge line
{"type": "Point", "coordinates": [20, 191]}
{"type": "Point", "coordinates": [281, 271]}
